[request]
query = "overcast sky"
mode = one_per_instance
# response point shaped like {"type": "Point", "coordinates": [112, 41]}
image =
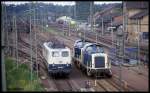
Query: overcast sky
{"type": "Point", "coordinates": [61, 2]}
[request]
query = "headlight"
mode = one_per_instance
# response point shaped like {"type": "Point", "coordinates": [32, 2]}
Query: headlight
{"type": "Point", "coordinates": [53, 64]}
{"type": "Point", "coordinates": [67, 64]}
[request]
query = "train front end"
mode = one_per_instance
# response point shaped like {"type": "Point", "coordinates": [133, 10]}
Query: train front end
{"type": "Point", "coordinates": [96, 60]}
{"type": "Point", "coordinates": [60, 61]}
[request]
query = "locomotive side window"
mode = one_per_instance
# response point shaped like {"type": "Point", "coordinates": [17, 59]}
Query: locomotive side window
{"type": "Point", "coordinates": [89, 49]}
{"type": "Point", "coordinates": [65, 54]}
{"type": "Point", "coordinates": [55, 54]}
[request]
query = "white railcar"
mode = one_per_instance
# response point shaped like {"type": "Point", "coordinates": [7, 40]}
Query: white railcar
{"type": "Point", "coordinates": [58, 58]}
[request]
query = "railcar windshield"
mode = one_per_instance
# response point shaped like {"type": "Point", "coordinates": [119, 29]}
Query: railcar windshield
{"type": "Point", "coordinates": [55, 54]}
{"type": "Point", "coordinates": [94, 49]}
{"type": "Point", "coordinates": [65, 54]}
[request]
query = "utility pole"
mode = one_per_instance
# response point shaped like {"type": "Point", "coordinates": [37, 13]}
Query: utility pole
{"type": "Point", "coordinates": [75, 17]}
{"type": "Point", "coordinates": [75, 11]}
{"type": "Point", "coordinates": [91, 15]}
{"type": "Point", "coordinates": [70, 20]}
{"type": "Point", "coordinates": [13, 38]}
{"type": "Point", "coordinates": [35, 25]}
{"type": "Point", "coordinates": [102, 26]}
{"type": "Point", "coordinates": [120, 46]}
{"type": "Point", "coordinates": [91, 21]}
{"type": "Point", "coordinates": [95, 30]}
{"type": "Point", "coordinates": [35, 32]}
{"type": "Point", "coordinates": [30, 45]}
{"type": "Point", "coordinates": [15, 45]}
{"type": "Point", "coordinates": [6, 27]}
{"type": "Point", "coordinates": [16, 41]}
{"type": "Point", "coordinates": [119, 53]}
{"type": "Point", "coordinates": [84, 35]}
{"type": "Point", "coordinates": [139, 63]}
{"type": "Point", "coordinates": [3, 56]}
{"type": "Point", "coordinates": [41, 18]}
{"type": "Point", "coordinates": [112, 33]}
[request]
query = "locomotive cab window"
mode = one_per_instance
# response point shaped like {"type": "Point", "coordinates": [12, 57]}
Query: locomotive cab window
{"type": "Point", "coordinates": [65, 54]}
{"type": "Point", "coordinates": [100, 49]}
{"type": "Point", "coordinates": [79, 44]}
{"type": "Point", "coordinates": [55, 54]}
{"type": "Point", "coordinates": [94, 49]}
{"type": "Point", "coordinates": [89, 49]}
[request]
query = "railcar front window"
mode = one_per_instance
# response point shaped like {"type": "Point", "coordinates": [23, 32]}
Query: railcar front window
{"type": "Point", "coordinates": [55, 54]}
{"type": "Point", "coordinates": [65, 54]}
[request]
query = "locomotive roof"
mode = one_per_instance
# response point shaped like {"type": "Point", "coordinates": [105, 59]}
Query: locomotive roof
{"type": "Point", "coordinates": [81, 45]}
{"type": "Point", "coordinates": [85, 44]}
{"type": "Point", "coordinates": [56, 45]}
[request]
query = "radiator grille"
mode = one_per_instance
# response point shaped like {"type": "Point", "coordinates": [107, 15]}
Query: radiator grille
{"type": "Point", "coordinates": [99, 62]}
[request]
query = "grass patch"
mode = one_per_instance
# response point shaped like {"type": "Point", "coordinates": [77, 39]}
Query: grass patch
{"type": "Point", "coordinates": [20, 79]}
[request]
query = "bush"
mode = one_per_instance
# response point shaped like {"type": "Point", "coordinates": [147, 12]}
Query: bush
{"type": "Point", "coordinates": [20, 79]}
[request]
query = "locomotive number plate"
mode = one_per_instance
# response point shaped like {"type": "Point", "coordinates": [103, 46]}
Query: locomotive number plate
{"type": "Point", "coordinates": [60, 67]}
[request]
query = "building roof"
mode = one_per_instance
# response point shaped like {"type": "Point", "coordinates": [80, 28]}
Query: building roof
{"type": "Point", "coordinates": [117, 23]}
{"type": "Point", "coordinates": [139, 15]}
{"type": "Point", "coordinates": [137, 4]}
{"type": "Point", "coordinates": [109, 8]}
{"type": "Point", "coordinates": [108, 17]}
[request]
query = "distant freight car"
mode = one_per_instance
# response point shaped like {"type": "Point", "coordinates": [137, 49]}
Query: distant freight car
{"type": "Point", "coordinates": [58, 58]}
{"type": "Point", "coordinates": [91, 57]}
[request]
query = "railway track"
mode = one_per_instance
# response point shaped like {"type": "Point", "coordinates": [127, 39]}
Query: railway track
{"type": "Point", "coordinates": [113, 85]}
{"type": "Point", "coordinates": [23, 50]}
{"type": "Point", "coordinates": [52, 83]}
{"type": "Point", "coordinates": [67, 84]}
{"type": "Point", "coordinates": [91, 36]}
{"type": "Point", "coordinates": [60, 85]}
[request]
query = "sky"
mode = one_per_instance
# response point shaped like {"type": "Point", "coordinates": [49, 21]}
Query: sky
{"type": "Point", "coordinates": [61, 2]}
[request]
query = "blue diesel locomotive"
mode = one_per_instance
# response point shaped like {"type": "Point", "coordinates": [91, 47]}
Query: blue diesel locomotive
{"type": "Point", "coordinates": [91, 57]}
